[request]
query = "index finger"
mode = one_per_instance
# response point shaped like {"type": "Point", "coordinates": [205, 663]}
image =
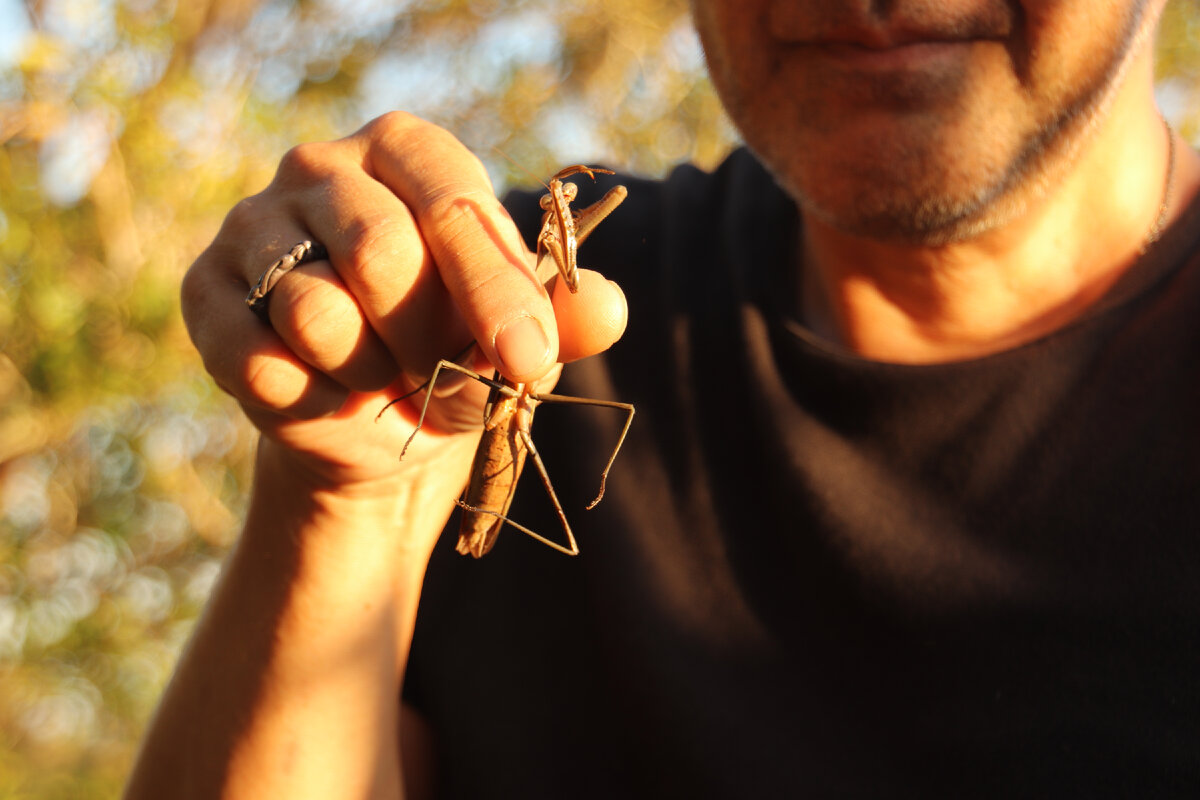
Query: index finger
{"type": "Point", "coordinates": [480, 256]}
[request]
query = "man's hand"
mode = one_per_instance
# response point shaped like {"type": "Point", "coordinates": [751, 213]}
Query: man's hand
{"type": "Point", "coordinates": [422, 261]}
{"type": "Point", "coordinates": [290, 686]}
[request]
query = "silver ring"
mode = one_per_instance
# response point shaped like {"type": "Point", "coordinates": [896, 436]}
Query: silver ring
{"type": "Point", "coordinates": [302, 253]}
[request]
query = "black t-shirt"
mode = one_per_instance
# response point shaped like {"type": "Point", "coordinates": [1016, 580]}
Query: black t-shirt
{"type": "Point", "coordinates": [816, 575]}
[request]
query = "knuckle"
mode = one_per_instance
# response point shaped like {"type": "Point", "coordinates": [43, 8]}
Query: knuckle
{"type": "Point", "coordinates": [305, 163]}
{"type": "Point", "coordinates": [458, 210]}
{"type": "Point", "coordinates": [409, 129]}
{"type": "Point", "coordinates": [273, 383]}
{"type": "Point", "coordinates": [258, 382]}
{"type": "Point", "coordinates": [321, 327]}
{"type": "Point", "coordinates": [246, 216]}
{"type": "Point", "coordinates": [393, 123]}
{"type": "Point", "coordinates": [369, 241]}
{"type": "Point", "coordinates": [248, 209]}
{"type": "Point", "coordinates": [470, 176]}
{"type": "Point", "coordinates": [426, 147]}
{"type": "Point", "coordinates": [279, 385]}
{"type": "Point", "coordinates": [192, 292]}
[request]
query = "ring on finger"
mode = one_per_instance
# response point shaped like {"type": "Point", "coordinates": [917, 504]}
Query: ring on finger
{"type": "Point", "coordinates": [302, 253]}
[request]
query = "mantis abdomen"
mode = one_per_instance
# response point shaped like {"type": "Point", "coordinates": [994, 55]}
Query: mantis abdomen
{"type": "Point", "coordinates": [498, 463]}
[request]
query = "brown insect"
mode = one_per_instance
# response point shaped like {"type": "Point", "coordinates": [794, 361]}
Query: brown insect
{"type": "Point", "coordinates": [508, 415]}
{"type": "Point", "coordinates": [563, 230]}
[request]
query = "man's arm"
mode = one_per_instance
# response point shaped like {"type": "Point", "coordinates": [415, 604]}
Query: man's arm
{"type": "Point", "coordinates": [290, 686]}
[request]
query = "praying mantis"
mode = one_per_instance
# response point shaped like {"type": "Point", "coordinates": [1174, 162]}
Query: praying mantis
{"type": "Point", "coordinates": [508, 414]}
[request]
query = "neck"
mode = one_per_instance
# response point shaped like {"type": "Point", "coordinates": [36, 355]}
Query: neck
{"type": "Point", "coordinates": [906, 303]}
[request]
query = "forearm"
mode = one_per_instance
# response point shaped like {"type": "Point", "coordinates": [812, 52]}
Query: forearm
{"type": "Point", "coordinates": [290, 685]}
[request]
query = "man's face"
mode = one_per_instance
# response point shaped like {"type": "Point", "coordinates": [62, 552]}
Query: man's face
{"type": "Point", "coordinates": [918, 120]}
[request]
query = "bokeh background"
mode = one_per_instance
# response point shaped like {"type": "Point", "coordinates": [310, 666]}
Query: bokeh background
{"type": "Point", "coordinates": [128, 128]}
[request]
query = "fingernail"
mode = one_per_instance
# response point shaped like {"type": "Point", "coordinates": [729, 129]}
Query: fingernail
{"type": "Point", "coordinates": [522, 346]}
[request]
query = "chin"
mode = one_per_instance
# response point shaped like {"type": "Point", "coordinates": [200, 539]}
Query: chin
{"type": "Point", "coordinates": [906, 189]}
{"type": "Point", "coordinates": [889, 208]}
{"type": "Point", "coordinates": [928, 221]}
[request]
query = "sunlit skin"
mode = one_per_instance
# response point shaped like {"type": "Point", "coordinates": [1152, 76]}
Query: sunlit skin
{"type": "Point", "coordinates": [308, 630]}
{"type": "Point", "coordinates": [973, 174]}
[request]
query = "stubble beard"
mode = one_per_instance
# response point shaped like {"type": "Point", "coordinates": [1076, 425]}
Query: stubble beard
{"type": "Point", "coordinates": [927, 190]}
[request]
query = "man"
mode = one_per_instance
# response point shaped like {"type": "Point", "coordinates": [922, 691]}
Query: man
{"type": "Point", "coordinates": [909, 505]}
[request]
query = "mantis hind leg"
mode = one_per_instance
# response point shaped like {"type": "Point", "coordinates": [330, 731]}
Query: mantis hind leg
{"type": "Point", "coordinates": [586, 401]}
{"type": "Point", "coordinates": [572, 548]}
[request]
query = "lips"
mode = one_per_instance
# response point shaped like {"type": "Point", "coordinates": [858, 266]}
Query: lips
{"type": "Point", "coordinates": [825, 24]}
{"type": "Point", "coordinates": [894, 56]}
{"type": "Point", "coordinates": [875, 48]}
{"type": "Point", "coordinates": [879, 39]}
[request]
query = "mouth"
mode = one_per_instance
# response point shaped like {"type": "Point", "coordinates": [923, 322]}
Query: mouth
{"type": "Point", "coordinates": [899, 54]}
{"type": "Point", "coordinates": [903, 40]}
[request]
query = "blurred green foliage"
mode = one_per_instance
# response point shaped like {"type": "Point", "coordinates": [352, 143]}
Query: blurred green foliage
{"type": "Point", "coordinates": [128, 128]}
